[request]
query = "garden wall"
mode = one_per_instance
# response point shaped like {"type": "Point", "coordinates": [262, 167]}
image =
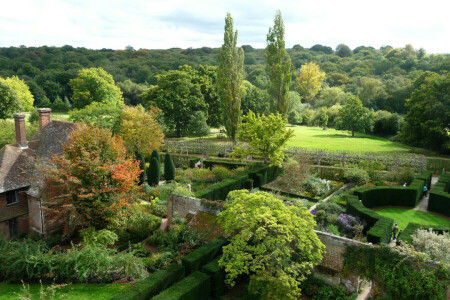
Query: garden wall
{"type": "Point", "coordinates": [180, 206]}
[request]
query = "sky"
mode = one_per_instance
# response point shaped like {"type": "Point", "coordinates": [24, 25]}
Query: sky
{"type": "Point", "coordinates": [159, 24]}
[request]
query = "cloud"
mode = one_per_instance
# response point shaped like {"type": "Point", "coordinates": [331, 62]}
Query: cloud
{"type": "Point", "coordinates": [179, 23]}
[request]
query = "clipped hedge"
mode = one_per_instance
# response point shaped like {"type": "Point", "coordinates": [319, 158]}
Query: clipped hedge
{"type": "Point", "coordinates": [378, 228]}
{"type": "Point", "coordinates": [413, 227]}
{"type": "Point", "coordinates": [195, 286]}
{"type": "Point", "coordinates": [394, 196]}
{"type": "Point", "coordinates": [152, 285]}
{"type": "Point", "coordinates": [195, 260]}
{"type": "Point", "coordinates": [209, 163]}
{"type": "Point", "coordinates": [439, 200]}
{"type": "Point", "coordinates": [258, 172]}
{"type": "Point", "coordinates": [217, 274]}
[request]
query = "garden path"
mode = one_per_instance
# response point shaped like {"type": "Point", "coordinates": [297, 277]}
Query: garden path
{"type": "Point", "coordinates": [423, 204]}
{"type": "Point", "coordinates": [329, 196]}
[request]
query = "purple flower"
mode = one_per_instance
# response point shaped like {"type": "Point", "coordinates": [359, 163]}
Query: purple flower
{"type": "Point", "coordinates": [313, 212]}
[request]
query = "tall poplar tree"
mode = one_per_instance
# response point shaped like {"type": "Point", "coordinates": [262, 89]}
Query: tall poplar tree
{"type": "Point", "coordinates": [230, 73]}
{"type": "Point", "coordinates": [278, 65]}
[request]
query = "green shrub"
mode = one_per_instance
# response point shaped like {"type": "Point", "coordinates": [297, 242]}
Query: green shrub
{"type": "Point", "coordinates": [316, 186]}
{"type": "Point", "coordinates": [196, 259]}
{"type": "Point", "coordinates": [358, 176]}
{"type": "Point", "coordinates": [134, 223]}
{"type": "Point", "coordinates": [209, 163]}
{"type": "Point", "coordinates": [155, 154]}
{"type": "Point", "coordinates": [221, 172]}
{"type": "Point", "coordinates": [152, 285]}
{"type": "Point", "coordinates": [198, 175]}
{"type": "Point", "coordinates": [217, 274]}
{"type": "Point", "coordinates": [169, 168]}
{"type": "Point", "coordinates": [195, 286]}
{"type": "Point", "coordinates": [154, 172]}
{"type": "Point", "coordinates": [387, 196]}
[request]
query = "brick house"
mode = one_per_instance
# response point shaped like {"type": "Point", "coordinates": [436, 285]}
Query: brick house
{"type": "Point", "coordinates": [20, 204]}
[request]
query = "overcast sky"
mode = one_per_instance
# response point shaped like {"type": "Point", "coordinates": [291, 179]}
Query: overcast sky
{"type": "Point", "coordinates": [159, 24]}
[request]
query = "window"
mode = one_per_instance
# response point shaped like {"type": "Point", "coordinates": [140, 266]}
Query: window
{"type": "Point", "coordinates": [13, 228]}
{"type": "Point", "coordinates": [11, 197]}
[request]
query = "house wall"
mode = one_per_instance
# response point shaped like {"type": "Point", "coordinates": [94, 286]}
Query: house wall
{"type": "Point", "coordinates": [18, 210]}
{"type": "Point", "coordinates": [35, 220]}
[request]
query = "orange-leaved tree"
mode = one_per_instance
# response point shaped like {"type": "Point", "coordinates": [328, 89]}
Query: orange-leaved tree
{"type": "Point", "coordinates": [93, 176]}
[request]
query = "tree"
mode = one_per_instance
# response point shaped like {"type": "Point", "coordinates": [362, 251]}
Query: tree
{"type": "Point", "coordinates": [24, 96]}
{"type": "Point", "coordinates": [92, 175]}
{"type": "Point", "coordinates": [254, 99]}
{"type": "Point", "coordinates": [273, 243]}
{"type": "Point", "coordinates": [9, 103]}
{"type": "Point", "coordinates": [343, 50]}
{"type": "Point", "coordinates": [140, 158]}
{"type": "Point", "coordinates": [95, 85]}
{"type": "Point", "coordinates": [266, 137]}
{"type": "Point", "coordinates": [197, 125]}
{"type": "Point", "coordinates": [428, 119]}
{"type": "Point", "coordinates": [98, 114]}
{"type": "Point", "coordinates": [230, 73]}
{"type": "Point", "coordinates": [154, 172]}
{"type": "Point", "coordinates": [139, 130]}
{"type": "Point", "coordinates": [331, 96]}
{"type": "Point", "coordinates": [178, 96]}
{"type": "Point", "coordinates": [169, 168]}
{"type": "Point", "coordinates": [310, 81]}
{"type": "Point", "coordinates": [132, 92]}
{"type": "Point", "coordinates": [353, 116]}
{"type": "Point", "coordinates": [278, 65]}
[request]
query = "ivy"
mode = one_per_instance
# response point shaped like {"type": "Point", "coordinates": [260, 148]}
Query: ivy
{"type": "Point", "coordinates": [399, 276]}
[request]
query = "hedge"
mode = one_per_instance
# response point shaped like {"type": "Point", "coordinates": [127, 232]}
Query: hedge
{"type": "Point", "coordinates": [195, 260]}
{"type": "Point", "coordinates": [378, 228]}
{"type": "Point", "coordinates": [258, 172]}
{"type": "Point", "coordinates": [209, 163]}
{"type": "Point", "coordinates": [412, 229]}
{"type": "Point", "coordinates": [439, 200]}
{"type": "Point", "coordinates": [152, 285]}
{"type": "Point", "coordinates": [195, 286]}
{"type": "Point", "coordinates": [394, 196]}
{"type": "Point", "coordinates": [217, 274]}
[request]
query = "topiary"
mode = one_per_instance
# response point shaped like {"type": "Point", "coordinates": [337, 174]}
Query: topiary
{"type": "Point", "coordinates": [141, 160]}
{"type": "Point", "coordinates": [154, 172]}
{"type": "Point", "coordinates": [169, 168]}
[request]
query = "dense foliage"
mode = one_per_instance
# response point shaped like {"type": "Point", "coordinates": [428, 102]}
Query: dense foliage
{"type": "Point", "coordinates": [91, 177]}
{"type": "Point", "coordinates": [273, 243]}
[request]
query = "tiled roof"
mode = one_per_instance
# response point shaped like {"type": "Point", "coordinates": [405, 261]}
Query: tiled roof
{"type": "Point", "coordinates": [17, 165]}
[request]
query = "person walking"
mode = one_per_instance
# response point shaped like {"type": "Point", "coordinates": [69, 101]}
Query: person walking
{"type": "Point", "coordinates": [395, 230]}
{"type": "Point", "coordinates": [425, 190]}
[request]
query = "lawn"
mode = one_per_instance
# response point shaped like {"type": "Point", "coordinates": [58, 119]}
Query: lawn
{"type": "Point", "coordinates": [69, 292]}
{"type": "Point", "coordinates": [331, 139]}
{"type": "Point", "coordinates": [403, 216]}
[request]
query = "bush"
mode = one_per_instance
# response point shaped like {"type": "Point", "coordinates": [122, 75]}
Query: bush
{"type": "Point", "coordinates": [412, 228]}
{"type": "Point", "coordinates": [221, 172]}
{"type": "Point", "coordinates": [197, 125]}
{"type": "Point", "coordinates": [198, 175]}
{"type": "Point", "coordinates": [196, 259]}
{"type": "Point", "coordinates": [316, 186]}
{"type": "Point", "coordinates": [358, 176]}
{"type": "Point", "coordinates": [387, 196]}
{"type": "Point", "coordinates": [169, 168]}
{"type": "Point", "coordinates": [436, 246]}
{"type": "Point", "coordinates": [349, 225]}
{"type": "Point", "coordinates": [195, 286]}
{"type": "Point", "coordinates": [402, 175]}
{"type": "Point", "coordinates": [134, 223]}
{"type": "Point", "coordinates": [439, 200]}
{"type": "Point", "coordinates": [152, 285]}
{"type": "Point", "coordinates": [154, 172]}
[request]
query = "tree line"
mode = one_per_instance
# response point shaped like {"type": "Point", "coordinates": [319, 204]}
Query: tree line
{"type": "Point", "coordinates": [306, 85]}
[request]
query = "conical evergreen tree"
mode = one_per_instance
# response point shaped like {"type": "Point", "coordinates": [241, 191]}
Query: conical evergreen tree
{"type": "Point", "coordinates": [141, 160]}
{"type": "Point", "coordinates": [153, 172]}
{"type": "Point", "coordinates": [155, 154]}
{"type": "Point", "coordinates": [169, 168]}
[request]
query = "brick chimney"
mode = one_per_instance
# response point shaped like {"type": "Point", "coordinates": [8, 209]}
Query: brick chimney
{"type": "Point", "coordinates": [44, 117]}
{"type": "Point", "coordinates": [21, 136]}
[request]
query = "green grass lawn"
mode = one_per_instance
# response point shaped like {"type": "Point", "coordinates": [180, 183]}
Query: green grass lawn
{"type": "Point", "coordinates": [403, 216]}
{"type": "Point", "coordinates": [73, 291]}
{"type": "Point", "coordinates": [331, 139]}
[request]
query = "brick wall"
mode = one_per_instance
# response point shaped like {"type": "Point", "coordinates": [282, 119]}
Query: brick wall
{"type": "Point", "coordinates": [18, 210]}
